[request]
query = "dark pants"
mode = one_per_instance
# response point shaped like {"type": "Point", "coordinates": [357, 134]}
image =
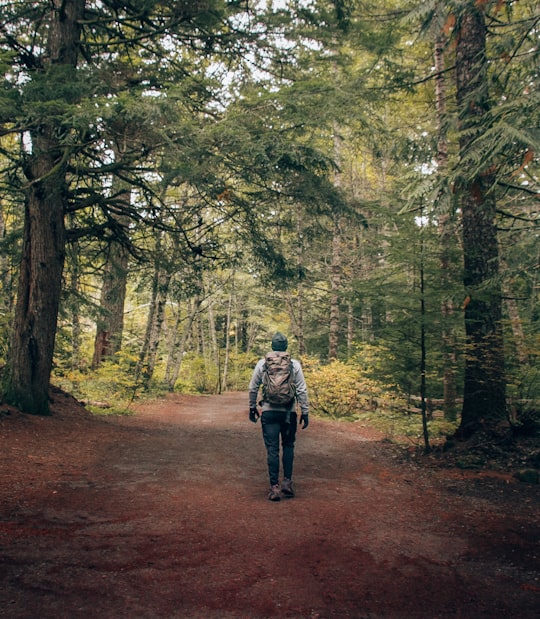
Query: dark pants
{"type": "Point", "coordinates": [274, 426]}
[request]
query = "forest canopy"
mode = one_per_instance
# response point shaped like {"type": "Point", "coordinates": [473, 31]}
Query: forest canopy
{"type": "Point", "coordinates": [181, 179]}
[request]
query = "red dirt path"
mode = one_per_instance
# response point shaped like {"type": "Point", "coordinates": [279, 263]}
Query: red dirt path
{"type": "Point", "coordinates": [164, 514]}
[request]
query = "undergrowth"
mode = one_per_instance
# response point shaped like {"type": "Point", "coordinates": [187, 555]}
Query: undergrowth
{"type": "Point", "coordinates": [349, 391]}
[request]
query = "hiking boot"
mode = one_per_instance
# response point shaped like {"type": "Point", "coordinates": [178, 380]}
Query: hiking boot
{"type": "Point", "coordinates": [274, 494]}
{"type": "Point", "coordinates": [287, 488]}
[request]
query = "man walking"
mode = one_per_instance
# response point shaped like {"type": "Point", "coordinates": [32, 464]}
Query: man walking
{"type": "Point", "coordinates": [278, 417]}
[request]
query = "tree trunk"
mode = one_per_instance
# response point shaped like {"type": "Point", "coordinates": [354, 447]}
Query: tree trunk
{"type": "Point", "coordinates": [6, 298]}
{"type": "Point", "coordinates": [350, 329]}
{"type": "Point", "coordinates": [335, 267]}
{"type": "Point", "coordinates": [516, 324]}
{"type": "Point", "coordinates": [423, 350]}
{"type": "Point", "coordinates": [446, 237]}
{"type": "Point", "coordinates": [110, 324]}
{"type": "Point", "coordinates": [177, 348]}
{"type": "Point", "coordinates": [40, 283]}
{"type": "Point", "coordinates": [212, 355]}
{"type": "Point", "coordinates": [74, 283]}
{"type": "Point", "coordinates": [295, 300]}
{"type": "Point", "coordinates": [156, 318]}
{"type": "Point", "coordinates": [160, 301]}
{"type": "Point", "coordinates": [517, 330]}
{"type": "Point", "coordinates": [484, 402]}
{"type": "Point", "coordinates": [227, 336]}
{"type": "Point", "coordinates": [29, 363]}
{"type": "Point", "coordinates": [335, 286]}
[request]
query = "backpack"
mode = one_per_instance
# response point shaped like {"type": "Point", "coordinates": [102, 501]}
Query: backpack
{"type": "Point", "coordinates": [277, 384]}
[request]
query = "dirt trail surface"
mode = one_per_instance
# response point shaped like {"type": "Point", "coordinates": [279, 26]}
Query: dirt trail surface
{"type": "Point", "coordinates": [164, 514]}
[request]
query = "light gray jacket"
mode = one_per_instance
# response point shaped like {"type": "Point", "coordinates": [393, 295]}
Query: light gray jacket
{"type": "Point", "coordinates": [299, 381]}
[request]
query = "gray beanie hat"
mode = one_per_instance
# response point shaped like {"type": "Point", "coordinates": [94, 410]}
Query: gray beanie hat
{"type": "Point", "coordinates": [279, 342]}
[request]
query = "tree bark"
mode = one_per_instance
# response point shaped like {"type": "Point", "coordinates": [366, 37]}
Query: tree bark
{"type": "Point", "coordinates": [110, 323]}
{"type": "Point", "coordinates": [517, 330]}
{"type": "Point", "coordinates": [177, 347]}
{"type": "Point", "coordinates": [335, 288]}
{"type": "Point", "coordinates": [74, 283]}
{"type": "Point", "coordinates": [156, 317]}
{"type": "Point", "coordinates": [40, 281]}
{"type": "Point", "coordinates": [212, 355]}
{"type": "Point", "coordinates": [336, 266]}
{"type": "Point", "coordinates": [295, 300]}
{"type": "Point", "coordinates": [228, 323]}
{"type": "Point", "coordinates": [423, 351]}
{"type": "Point", "coordinates": [446, 238]}
{"type": "Point", "coordinates": [30, 358]}
{"type": "Point", "coordinates": [160, 301]}
{"type": "Point", "coordinates": [6, 298]}
{"type": "Point", "coordinates": [484, 402]}
{"type": "Point", "coordinates": [350, 329]}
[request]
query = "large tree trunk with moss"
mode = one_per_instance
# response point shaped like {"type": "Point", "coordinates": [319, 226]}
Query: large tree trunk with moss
{"type": "Point", "coordinates": [484, 404]}
{"type": "Point", "coordinates": [29, 364]}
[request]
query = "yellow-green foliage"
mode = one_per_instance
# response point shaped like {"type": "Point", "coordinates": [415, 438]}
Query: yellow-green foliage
{"type": "Point", "coordinates": [371, 359]}
{"type": "Point", "coordinates": [200, 375]}
{"type": "Point", "coordinates": [341, 389]}
{"type": "Point", "coordinates": [197, 375]}
{"type": "Point", "coordinates": [402, 427]}
{"type": "Point", "coordinates": [346, 391]}
{"type": "Point", "coordinates": [111, 387]}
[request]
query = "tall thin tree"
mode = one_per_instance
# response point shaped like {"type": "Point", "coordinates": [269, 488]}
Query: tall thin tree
{"type": "Point", "coordinates": [484, 402]}
{"type": "Point", "coordinates": [446, 233]}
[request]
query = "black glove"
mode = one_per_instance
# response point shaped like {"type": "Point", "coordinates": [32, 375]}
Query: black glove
{"type": "Point", "coordinates": [304, 421]}
{"type": "Point", "coordinates": [253, 414]}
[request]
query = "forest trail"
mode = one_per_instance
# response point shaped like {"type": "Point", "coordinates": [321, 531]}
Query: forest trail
{"type": "Point", "coordinates": [163, 514]}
